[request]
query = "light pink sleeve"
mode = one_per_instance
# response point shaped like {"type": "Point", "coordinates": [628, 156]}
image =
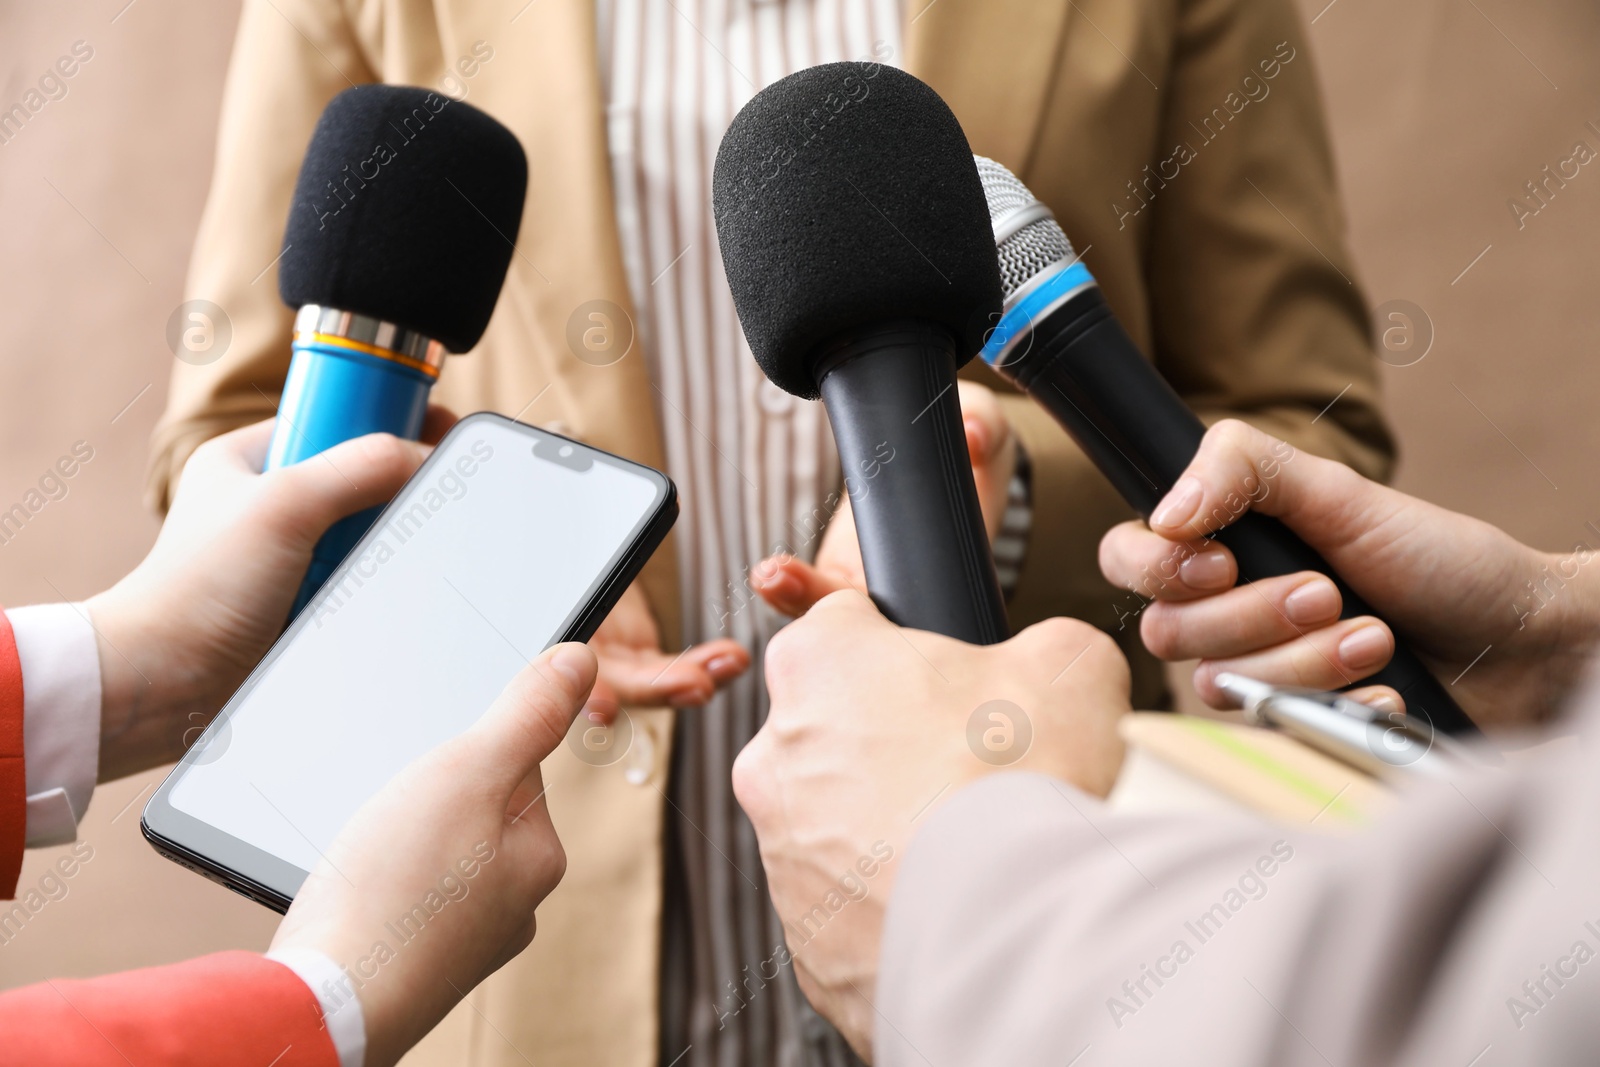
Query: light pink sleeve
{"type": "Point", "coordinates": [1030, 925]}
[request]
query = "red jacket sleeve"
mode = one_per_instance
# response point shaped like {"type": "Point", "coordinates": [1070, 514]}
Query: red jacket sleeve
{"type": "Point", "coordinates": [13, 776]}
{"type": "Point", "coordinates": [232, 1009]}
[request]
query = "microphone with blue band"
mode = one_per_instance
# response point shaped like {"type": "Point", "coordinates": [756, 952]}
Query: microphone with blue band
{"type": "Point", "coordinates": [1058, 341]}
{"type": "Point", "coordinates": [350, 375]}
{"type": "Point", "coordinates": [398, 241]}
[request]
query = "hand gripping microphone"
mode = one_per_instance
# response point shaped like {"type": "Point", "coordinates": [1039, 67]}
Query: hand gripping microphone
{"type": "Point", "coordinates": [1058, 341]}
{"type": "Point", "coordinates": [856, 242]}
{"type": "Point", "coordinates": [398, 240]}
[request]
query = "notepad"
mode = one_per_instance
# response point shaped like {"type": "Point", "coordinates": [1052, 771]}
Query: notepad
{"type": "Point", "coordinates": [1180, 760]}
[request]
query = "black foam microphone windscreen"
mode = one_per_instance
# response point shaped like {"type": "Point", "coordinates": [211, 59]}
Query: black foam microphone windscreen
{"type": "Point", "coordinates": [406, 210]}
{"type": "Point", "coordinates": [856, 240]}
{"type": "Point", "coordinates": [842, 193]}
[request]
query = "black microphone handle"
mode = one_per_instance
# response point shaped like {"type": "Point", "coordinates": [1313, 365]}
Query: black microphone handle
{"type": "Point", "coordinates": [1086, 371]}
{"type": "Point", "coordinates": [891, 397]}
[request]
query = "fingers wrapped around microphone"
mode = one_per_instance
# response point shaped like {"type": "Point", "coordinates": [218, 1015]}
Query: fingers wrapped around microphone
{"type": "Point", "coordinates": [1283, 628]}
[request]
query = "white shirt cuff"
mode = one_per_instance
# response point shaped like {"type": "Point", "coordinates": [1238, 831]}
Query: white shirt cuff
{"type": "Point", "coordinates": [60, 716]}
{"type": "Point", "coordinates": [341, 1007]}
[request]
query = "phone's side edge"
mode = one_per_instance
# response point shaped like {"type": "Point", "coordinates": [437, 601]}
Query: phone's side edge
{"type": "Point", "coordinates": [209, 869]}
{"type": "Point", "coordinates": [638, 553]}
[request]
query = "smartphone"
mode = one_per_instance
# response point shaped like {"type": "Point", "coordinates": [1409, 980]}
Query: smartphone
{"type": "Point", "coordinates": [507, 540]}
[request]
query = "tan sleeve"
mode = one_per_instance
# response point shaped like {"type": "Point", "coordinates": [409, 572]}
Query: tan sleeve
{"type": "Point", "coordinates": [1256, 308]}
{"type": "Point", "coordinates": [1253, 305]}
{"type": "Point", "coordinates": [290, 58]}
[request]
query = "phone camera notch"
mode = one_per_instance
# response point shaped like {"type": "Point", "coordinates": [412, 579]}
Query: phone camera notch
{"type": "Point", "coordinates": [564, 453]}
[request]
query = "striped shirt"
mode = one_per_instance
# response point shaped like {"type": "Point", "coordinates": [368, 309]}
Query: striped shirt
{"type": "Point", "coordinates": [756, 468]}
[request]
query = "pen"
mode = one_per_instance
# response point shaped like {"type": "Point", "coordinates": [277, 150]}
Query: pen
{"type": "Point", "coordinates": [1387, 745]}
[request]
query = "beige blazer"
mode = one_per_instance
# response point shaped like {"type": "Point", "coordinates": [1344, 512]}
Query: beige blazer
{"type": "Point", "coordinates": [1180, 142]}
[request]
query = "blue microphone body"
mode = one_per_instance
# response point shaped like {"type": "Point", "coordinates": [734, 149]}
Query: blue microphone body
{"type": "Point", "coordinates": [399, 234]}
{"type": "Point", "coordinates": [350, 375]}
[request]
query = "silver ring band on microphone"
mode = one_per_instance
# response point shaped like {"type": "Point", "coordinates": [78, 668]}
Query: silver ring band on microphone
{"type": "Point", "coordinates": [1007, 227]}
{"type": "Point", "coordinates": [363, 333]}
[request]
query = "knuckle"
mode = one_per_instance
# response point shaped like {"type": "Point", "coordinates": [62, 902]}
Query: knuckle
{"type": "Point", "coordinates": [1070, 637]}
{"type": "Point", "coordinates": [1113, 548]}
{"type": "Point", "coordinates": [1309, 665]}
{"type": "Point", "coordinates": [206, 453]}
{"type": "Point", "coordinates": [1234, 434]}
{"type": "Point", "coordinates": [782, 652]}
{"type": "Point", "coordinates": [549, 864]}
{"type": "Point", "coordinates": [1343, 482]}
{"type": "Point", "coordinates": [386, 454]}
{"type": "Point", "coordinates": [543, 707]}
{"type": "Point", "coordinates": [840, 600]}
{"type": "Point", "coordinates": [747, 779]}
{"type": "Point", "coordinates": [792, 647]}
{"type": "Point", "coordinates": [1064, 631]}
{"type": "Point", "coordinates": [282, 506]}
{"type": "Point", "coordinates": [557, 858]}
{"type": "Point", "coordinates": [1105, 656]}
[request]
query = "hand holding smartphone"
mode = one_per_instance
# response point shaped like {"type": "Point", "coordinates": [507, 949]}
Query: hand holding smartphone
{"type": "Point", "coordinates": [509, 539]}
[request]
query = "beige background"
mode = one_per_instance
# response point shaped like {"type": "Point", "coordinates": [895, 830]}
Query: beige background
{"type": "Point", "coordinates": [1439, 117]}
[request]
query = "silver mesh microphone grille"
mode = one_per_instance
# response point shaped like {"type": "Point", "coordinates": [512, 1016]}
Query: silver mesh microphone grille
{"type": "Point", "coordinates": [1035, 247]}
{"type": "Point", "coordinates": [1004, 190]}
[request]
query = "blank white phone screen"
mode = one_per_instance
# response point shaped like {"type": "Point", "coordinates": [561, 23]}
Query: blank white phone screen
{"type": "Point", "coordinates": [472, 574]}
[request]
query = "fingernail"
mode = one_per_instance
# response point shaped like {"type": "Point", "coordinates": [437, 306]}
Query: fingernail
{"type": "Point", "coordinates": [572, 663]}
{"type": "Point", "coordinates": [1179, 504]}
{"type": "Point", "coordinates": [1206, 570]}
{"type": "Point", "coordinates": [1384, 703]}
{"type": "Point", "coordinates": [1315, 601]}
{"type": "Point", "coordinates": [689, 696]}
{"type": "Point", "coordinates": [769, 568]}
{"type": "Point", "coordinates": [1364, 648]}
{"type": "Point", "coordinates": [600, 710]}
{"type": "Point", "coordinates": [721, 667]}
{"type": "Point", "coordinates": [779, 582]}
